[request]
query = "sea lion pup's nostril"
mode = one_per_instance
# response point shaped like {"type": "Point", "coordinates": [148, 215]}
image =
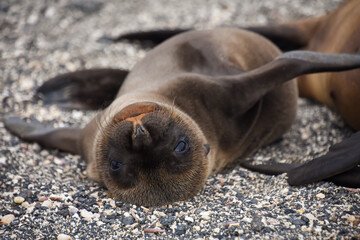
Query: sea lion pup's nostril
{"type": "Point", "coordinates": [139, 131]}
{"type": "Point", "coordinates": [141, 137]}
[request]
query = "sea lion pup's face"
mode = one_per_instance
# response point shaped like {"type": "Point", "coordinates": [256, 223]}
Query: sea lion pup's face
{"type": "Point", "coordinates": [152, 155]}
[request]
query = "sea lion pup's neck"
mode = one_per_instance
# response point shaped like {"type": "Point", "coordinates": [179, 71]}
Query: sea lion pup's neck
{"type": "Point", "coordinates": [148, 151]}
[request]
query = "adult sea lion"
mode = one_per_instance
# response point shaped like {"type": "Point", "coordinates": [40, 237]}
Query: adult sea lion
{"type": "Point", "coordinates": [195, 103]}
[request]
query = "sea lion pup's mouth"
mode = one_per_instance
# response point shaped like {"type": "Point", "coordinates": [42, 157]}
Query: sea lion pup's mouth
{"type": "Point", "coordinates": [152, 154]}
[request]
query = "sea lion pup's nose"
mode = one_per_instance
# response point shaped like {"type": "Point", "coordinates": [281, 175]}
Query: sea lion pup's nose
{"type": "Point", "coordinates": [141, 137]}
{"type": "Point", "coordinates": [139, 131]}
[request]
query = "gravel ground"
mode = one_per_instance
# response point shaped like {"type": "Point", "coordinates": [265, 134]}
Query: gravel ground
{"type": "Point", "coordinates": [45, 193]}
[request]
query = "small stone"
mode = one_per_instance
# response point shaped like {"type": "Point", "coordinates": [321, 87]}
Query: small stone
{"type": "Point", "coordinates": [2, 160]}
{"type": "Point", "coordinates": [301, 211]}
{"type": "Point", "coordinates": [205, 215]}
{"type": "Point", "coordinates": [63, 237]}
{"type": "Point", "coordinates": [7, 219]}
{"type": "Point", "coordinates": [189, 219]}
{"type": "Point", "coordinates": [197, 228]}
{"type": "Point", "coordinates": [154, 230]}
{"type": "Point", "coordinates": [284, 191]}
{"type": "Point", "coordinates": [25, 204]}
{"type": "Point", "coordinates": [216, 230]}
{"type": "Point", "coordinates": [19, 200]}
{"type": "Point", "coordinates": [128, 220]}
{"type": "Point", "coordinates": [43, 199]}
{"type": "Point", "coordinates": [47, 204]}
{"type": "Point", "coordinates": [180, 230]}
{"type": "Point", "coordinates": [256, 224]}
{"type": "Point", "coordinates": [86, 214]}
{"type": "Point", "coordinates": [320, 196]}
{"type": "Point", "coordinates": [73, 210]}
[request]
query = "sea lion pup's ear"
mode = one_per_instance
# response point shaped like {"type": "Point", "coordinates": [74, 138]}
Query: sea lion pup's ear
{"type": "Point", "coordinates": [251, 86]}
{"type": "Point", "coordinates": [65, 139]}
{"type": "Point", "coordinates": [84, 89]}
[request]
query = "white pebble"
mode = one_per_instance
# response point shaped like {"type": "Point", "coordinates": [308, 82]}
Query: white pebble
{"type": "Point", "coordinates": [86, 214]}
{"type": "Point", "coordinates": [205, 215]}
{"type": "Point", "coordinates": [320, 196]}
{"type": "Point", "coordinates": [63, 237]}
{"type": "Point", "coordinates": [47, 203]}
{"type": "Point", "coordinates": [189, 219]}
{"type": "Point", "coordinates": [19, 200]}
{"type": "Point", "coordinates": [7, 219]}
{"type": "Point", "coordinates": [197, 228]}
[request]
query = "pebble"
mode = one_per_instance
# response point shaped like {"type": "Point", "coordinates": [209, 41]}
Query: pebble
{"type": "Point", "coordinates": [256, 223]}
{"type": "Point", "coordinates": [205, 215]}
{"type": "Point", "coordinates": [7, 219]}
{"type": "Point", "coordinates": [63, 237]}
{"type": "Point", "coordinates": [320, 196]}
{"type": "Point", "coordinates": [47, 204]}
{"type": "Point", "coordinates": [154, 230]}
{"type": "Point", "coordinates": [86, 214]}
{"type": "Point", "coordinates": [73, 210]}
{"type": "Point", "coordinates": [19, 200]}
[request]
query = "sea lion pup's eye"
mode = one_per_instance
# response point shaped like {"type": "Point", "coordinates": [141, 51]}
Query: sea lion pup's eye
{"type": "Point", "coordinates": [182, 146]}
{"type": "Point", "coordinates": [115, 165]}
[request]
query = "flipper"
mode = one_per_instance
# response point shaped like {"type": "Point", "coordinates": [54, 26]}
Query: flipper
{"type": "Point", "coordinates": [270, 168]}
{"type": "Point", "coordinates": [251, 86]}
{"type": "Point", "coordinates": [154, 36]}
{"type": "Point", "coordinates": [65, 139]}
{"type": "Point", "coordinates": [338, 165]}
{"type": "Point", "coordinates": [288, 36]}
{"type": "Point", "coordinates": [84, 89]}
{"type": "Point", "coordinates": [341, 157]}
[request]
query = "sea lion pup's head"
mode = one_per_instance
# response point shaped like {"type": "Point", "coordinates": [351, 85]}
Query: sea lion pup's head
{"type": "Point", "coordinates": [152, 155]}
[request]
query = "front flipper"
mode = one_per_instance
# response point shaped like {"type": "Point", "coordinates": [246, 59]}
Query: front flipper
{"type": "Point", "coordinates": [339, 165]}
{"type": "Point", "coordinates": [65, 139]}
{"type": "Point", "coordinates": [85, 89]}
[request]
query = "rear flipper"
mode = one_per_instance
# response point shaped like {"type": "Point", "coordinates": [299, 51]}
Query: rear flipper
{"type": "Point", "coordinates": [288, 36]}
{"type": "Point", "coordinates": [65, 139]}
{"type": "Point", "coordinates": [153, 36]}
{"type": "Point", "coordinates": [339, 165]}
{"type": "Point", "coordinates": [84, 89]}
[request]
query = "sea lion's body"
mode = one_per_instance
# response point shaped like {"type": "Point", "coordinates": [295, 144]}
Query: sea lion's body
{"type": "Point", "coordinates": [206, 54]}
{"type": "Point", "coordinates": [338, 32]}
{"type": "Point", "coordinates": [215, 53]}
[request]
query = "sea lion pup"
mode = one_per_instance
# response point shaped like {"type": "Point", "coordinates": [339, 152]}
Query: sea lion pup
{"type": "Point", "coordinates": [194, 104]}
